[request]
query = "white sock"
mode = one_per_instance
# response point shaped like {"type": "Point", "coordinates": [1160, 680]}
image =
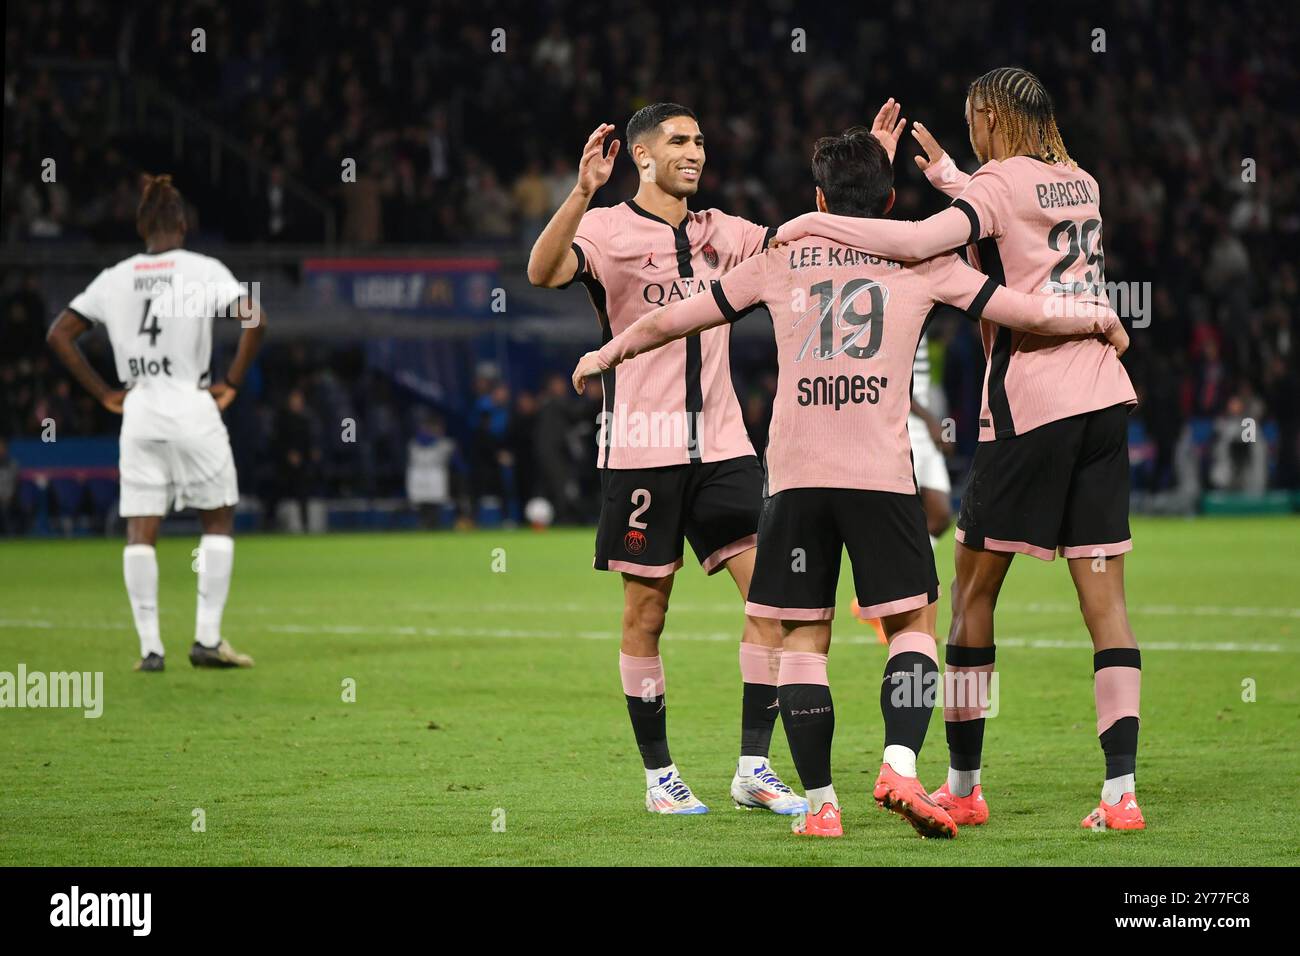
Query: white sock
{"type": "Point", "coordinates": [748, 765]}
{"type": "Point", "coordinates": [652, 777]}
{"type": "Point", "coordinates": [962, 783]}
{"type": "Point", "coordinates": [1113, 790]}
{"type": "Point", "coordinates": [216, 558]}
{"type": "Point", "coordinates": [140, 570]}
{"type": "Point", "coordinates": [902, 759]}
{"type": "Point", "coordinates": [820, 796]}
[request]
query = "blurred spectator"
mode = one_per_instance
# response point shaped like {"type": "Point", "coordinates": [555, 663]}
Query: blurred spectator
{"type": "Point", "coordinates": [1239, 459]}
{"type": "Point", "coordinates": [437, 128]}
{"type": "Point", "coordinates": [296, 455]}
{"type": "Point", "coordinates": [532, 199]}
{"type": "Point", "coordinates": [557, 414]}
{"type": "Point", "coordinates": [428, 469]}
{"type": "Point", "coordinates": [8, 491]}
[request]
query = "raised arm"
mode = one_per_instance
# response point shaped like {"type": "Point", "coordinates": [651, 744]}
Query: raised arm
{"type": "Point", "coordinates": [937, 165]}
{"type": "Point", "coordinates": [553, 262]}
{"type": "Point", "coordinates": [889, 238]}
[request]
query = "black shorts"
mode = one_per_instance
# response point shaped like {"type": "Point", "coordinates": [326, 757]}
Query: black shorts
{"type": "Point", "coordinates": [802, 533]}
{"type": "Point", "coordinates": [1063, 486]}
{"type": "Point", "coordinates": [646, 512]}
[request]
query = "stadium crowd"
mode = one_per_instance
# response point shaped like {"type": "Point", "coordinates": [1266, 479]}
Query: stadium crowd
{"type": "Point", "coordinates": [1193, 144]}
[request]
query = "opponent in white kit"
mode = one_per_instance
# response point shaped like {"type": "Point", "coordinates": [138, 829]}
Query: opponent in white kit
{"type": "Point", "coordinates": [158, 307]}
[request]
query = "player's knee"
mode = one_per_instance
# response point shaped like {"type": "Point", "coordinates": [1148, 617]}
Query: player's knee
{"type": "Point", "coordinates": [218, 521]}
{"type": "Point", "coordinates": [765, 631]}
{"type": "Point", "coordinates": [1103, 611]}
{"type": "Point", "coordinates": [645, 613]}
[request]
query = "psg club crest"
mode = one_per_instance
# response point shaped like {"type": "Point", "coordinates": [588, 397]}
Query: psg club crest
{"type": "Point", "coordinates": [710, 255]}
{"type": "Point", "coordinates": [634, 541]}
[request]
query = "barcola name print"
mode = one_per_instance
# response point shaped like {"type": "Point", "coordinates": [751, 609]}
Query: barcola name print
{"type": "Point", "coordinates": [74, 908]}
{"type": "Point", "coordinates": [82, 690]}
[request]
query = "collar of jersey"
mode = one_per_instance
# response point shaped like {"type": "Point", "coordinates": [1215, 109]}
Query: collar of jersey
{"type": "Point", "coordinates": [649, 215]}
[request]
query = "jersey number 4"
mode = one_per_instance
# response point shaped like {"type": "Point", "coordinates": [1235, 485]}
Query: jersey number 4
{"type": "Point", "coordinates": [151, 330]}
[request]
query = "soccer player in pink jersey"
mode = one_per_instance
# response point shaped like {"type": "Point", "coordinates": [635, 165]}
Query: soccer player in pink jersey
{"type": "Point", "coordinates": [674, 456]}
{"type": "Point", "coordinates": [1051, 472]}
{"type": "Point", "coordinates": [839, 463]}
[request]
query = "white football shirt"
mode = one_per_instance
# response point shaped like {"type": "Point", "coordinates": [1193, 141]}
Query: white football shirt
{"type": "Point", "coordinates": [158, 309]}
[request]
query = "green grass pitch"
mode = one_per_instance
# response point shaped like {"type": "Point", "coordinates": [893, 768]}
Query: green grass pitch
{"type": "Point", "coordinates": [489, 727]}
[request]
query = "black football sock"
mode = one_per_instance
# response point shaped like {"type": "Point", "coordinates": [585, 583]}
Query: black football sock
{"type": "Point", "coordinates": [758, 714]}
{"type": "Point", "coordinates": [809, 720]}
{"type": "Point", "coordinates": [965, 731]}
{"type": "Point", "coordinates": [907, 695]}
{"type": "Point", "coordinates": [650, 724]}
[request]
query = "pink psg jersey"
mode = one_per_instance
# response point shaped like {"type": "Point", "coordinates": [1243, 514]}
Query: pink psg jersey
{"type": "Point", "coordinates": [1036, 227]}
{"type": "Point", "coordinates": [847, 325]}
{"type": "Point", "coordinates": [678, 403]}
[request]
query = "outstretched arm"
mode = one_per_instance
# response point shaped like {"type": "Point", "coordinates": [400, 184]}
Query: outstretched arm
{"type": "Point", "coordinates": [954, 283]}
{"type": "Point", "coordinates": [655, 330]}
{"type": "Point", "coordinates": [889, 238]}
{"type": "Point", "coordinates": [1054, 315]}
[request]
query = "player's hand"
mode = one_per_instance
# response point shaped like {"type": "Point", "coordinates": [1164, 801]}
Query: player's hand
{"type": "Point", "coordinates": [224, 394]}
{"type": "Point", "coordinates": [588, 366]}
{"type": "Point", "coordinates": [888, 126]}
{"type": "Point", "coordinates": [1118, 338]}
{"type": "Point", "coordinates": [113, 400]}
{"type": "Point", "coordinates": [933, 151]}
{"type": "Point", "coordinates": [595, 166]}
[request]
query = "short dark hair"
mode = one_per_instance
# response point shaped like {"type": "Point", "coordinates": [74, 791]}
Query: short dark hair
{"type": "Point", "coordinates": [649, 117]}
{"type": "Point", "coordinates": [854, 173]}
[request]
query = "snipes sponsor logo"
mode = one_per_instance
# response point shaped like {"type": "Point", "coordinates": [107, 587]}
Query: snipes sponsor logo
{"type": "Point", "coordinates": [74, 908]}
{"type": "Point", "coordinates": [82, 690]}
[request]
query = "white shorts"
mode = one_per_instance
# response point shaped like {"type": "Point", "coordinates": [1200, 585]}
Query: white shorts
{"type": "Point", "coordinates": [927, 461]}
{"type": "Point", "coordinates": [160, 474]}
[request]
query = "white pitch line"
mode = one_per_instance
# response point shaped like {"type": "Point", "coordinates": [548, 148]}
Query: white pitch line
{"type": "Point", "coordinates": [711, 637]}
{"type": "Point", "coordinates": [723, 637]}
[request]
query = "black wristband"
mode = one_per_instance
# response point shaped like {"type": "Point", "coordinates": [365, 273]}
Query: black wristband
{"type": "Point", "coordinates": [225, 380]}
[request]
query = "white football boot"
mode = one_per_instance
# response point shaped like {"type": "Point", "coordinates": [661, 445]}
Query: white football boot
{"type": "Point", "coordinates": [763, 789]}
{"type": "Point", "coordinates": [669, 794]}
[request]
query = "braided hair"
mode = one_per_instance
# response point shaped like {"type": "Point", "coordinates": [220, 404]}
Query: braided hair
{"type": "Point", "coordinates": [1024, 111]}
{"type": "Point", "coordinates": [161, 208]}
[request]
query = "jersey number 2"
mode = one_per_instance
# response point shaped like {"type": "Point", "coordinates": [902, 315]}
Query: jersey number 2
{"type": "Point", "coordinates": [643, 505]}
